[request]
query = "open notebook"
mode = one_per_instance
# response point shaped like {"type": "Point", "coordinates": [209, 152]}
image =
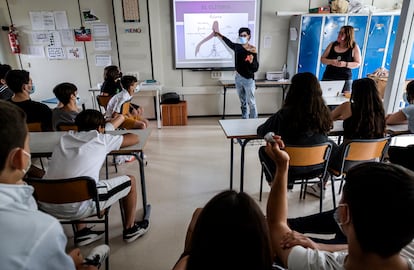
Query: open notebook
{"type": "Point", "coordinates": [331, 88]}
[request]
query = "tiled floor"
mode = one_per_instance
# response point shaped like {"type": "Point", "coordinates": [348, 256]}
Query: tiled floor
{"type": "Point", "coordinates": [187, 165]}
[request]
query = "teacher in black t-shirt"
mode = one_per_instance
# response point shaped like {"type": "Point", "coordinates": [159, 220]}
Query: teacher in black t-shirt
{"type": "Point", "coordinates": [341, 56]}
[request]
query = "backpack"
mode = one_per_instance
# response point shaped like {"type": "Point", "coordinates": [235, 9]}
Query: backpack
{"type": "Point", "coordinates": [170, 98]}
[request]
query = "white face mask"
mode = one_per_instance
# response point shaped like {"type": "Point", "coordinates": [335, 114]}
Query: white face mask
{"type": "Point", "coordinates": [29, 162]}
{"type": "Point", "coordinates": [336, 217]}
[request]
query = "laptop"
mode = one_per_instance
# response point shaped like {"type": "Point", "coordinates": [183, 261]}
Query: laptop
{"type": "Point", "coordinates": [331, 88]}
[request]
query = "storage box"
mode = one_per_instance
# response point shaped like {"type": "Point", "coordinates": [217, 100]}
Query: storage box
{"type": "Point", "coordinates": [174, 114]}
{"type": "Point", "coordinates": [274, 75]}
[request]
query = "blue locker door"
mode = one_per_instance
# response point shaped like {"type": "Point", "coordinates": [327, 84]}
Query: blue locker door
{"type": "Point", "coordinates": [309, 44]}
{"type": "Point", "coordinates": [331, 29]}
{"type": "Point", "coordinates": [360, 23]}
{"type": "Point", "coordinates": [377, 39]}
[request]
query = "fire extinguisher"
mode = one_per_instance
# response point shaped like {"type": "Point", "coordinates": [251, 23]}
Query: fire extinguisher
{"type": "Point", "coordinates": [14, 42]}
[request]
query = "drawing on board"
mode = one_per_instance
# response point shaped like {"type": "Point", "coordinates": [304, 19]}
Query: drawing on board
{"type": "Point", "coordinates": [200, 42]}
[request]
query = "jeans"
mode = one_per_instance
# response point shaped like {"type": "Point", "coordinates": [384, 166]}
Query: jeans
{"type": "Point", "coordinates": [245, 90]}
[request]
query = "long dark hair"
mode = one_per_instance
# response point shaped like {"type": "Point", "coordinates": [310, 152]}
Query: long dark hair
{"type": "Point", "coordinates": [304, 100]}
{"type": "Point", "coordinates": [230, 233]}
{"type": "Point", "coordinates": [368, 117]}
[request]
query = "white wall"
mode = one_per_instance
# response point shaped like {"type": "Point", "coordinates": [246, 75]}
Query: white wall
{"type": "Point", "coordinates": [149, 53]}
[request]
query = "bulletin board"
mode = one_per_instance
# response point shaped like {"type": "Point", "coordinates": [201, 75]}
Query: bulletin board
{"type": "Point", "coordinates": [130, 10]}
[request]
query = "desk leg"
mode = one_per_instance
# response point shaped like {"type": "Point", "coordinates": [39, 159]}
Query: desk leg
{"type": "Point", "coordinates": [157, 109]}
{"type": "Point", "coordinates": [243, 146]}
{"type": "Point", "coordinates": [146, 207]}
{"type": "Point", "coordinates": [94, 100]}
{"type": "Point", "coordinates": [224, 102]}
{"type": "Point", "coordinates": [231, 162]}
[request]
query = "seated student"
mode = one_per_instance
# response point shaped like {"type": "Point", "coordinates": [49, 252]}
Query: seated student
{"type": "Point", "coordinates": [20, 83]}
{"type": "Point", "coordinates": [230, 232]}
{"type": "Point", "coordinates": [133, 119]}
{"type": "Point", "coordinates": [363, 117]}
{"type": "Point", "coordinates": [397, 154]}
{"type": "Point", "coordinates": [5, 92]}
{"type": "Point", "coordinates": [66, 93]}
{"type": "Point", "coordinates": [29, 238]}
{"type": "Point", "coordinates": [405, 114]}
{"type": "Point", "coordinates": [83, 153]}
{"type": "Point", "coordinates": [376, 229]}
{"type": "Point", "coordinates": [112, 81]}
{"type": "Point", "coordinates": [304, 118]}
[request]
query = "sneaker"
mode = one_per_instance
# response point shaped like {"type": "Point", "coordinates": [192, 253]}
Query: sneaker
{"type": "Point", "coordinates": [97, 256]}
{"type": "Point", "coordinates": [139, 229]}
{"type": "Point", "coordinates": [87, 236]}
{"type": "Point", "coordinates": [315, 190]}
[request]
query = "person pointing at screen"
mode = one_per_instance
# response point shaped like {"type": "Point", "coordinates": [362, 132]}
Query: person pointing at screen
{"type": "Point", "coordinates": [246, 65]}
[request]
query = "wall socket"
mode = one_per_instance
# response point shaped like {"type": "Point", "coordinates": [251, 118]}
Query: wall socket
{"type": "Point", "coordinates": [216, 74]}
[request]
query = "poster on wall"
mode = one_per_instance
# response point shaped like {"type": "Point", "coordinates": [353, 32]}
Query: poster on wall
{"type": "Point", "coordinates": [83, 34]}
{"type": "Point", "coordinates": [42, 20]}
{"type": "Point", "coordinates": [55, 53]}
{"type": "Point", "coordinates": [75, 53]}
{"type": "Point", "coordinates": [130, 10]}
{"type": "Point", "coordinates": [89, 16]}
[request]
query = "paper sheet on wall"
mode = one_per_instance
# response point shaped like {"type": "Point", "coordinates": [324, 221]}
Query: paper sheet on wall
{"type": "Point", "coordinates": [61, 20]}
{"type": "Point", "coordinates": [55, 53]}
{"type": "Point", "coordinates": [103, 45]}
{"type": "Point", "coordinates": [267, 42]}
{"type": "Point", "coordinates": [35, 51]}
{"type": "Point", "coordinates": [54, 39]}
{"type": "Point", "coordinates": [67, 37]}
{"type": "Point", "coordinates": [39, 37]}
{"type": "Point", "coordinates": [293, 34]}
{"type": "Point", "coordinates": [103, 60]}
{"type": "Point", "coordinates": [42, 20]}
{"type": "Point", "coordinates": [100, 30]}
{"type": "Point", "coordinates": [75, 53]}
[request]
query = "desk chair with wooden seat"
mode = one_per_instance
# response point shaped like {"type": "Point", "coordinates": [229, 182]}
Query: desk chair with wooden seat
{"type": "Point", "coordinates": [102, 101]}
{"type": "Point", "coordinates": [71, 190]}
{"type": "Point", "coordinates": [355, 152]}
{"type": "Point", "coordinates": [34, 127]}
{"type": "Point", "coordinates": [66, 126]}
{"type": "Point", "coordinates": [307, 164]}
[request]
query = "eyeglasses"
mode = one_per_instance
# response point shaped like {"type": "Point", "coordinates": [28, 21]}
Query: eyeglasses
{"type": "Point", "coordinates": [243, 35]}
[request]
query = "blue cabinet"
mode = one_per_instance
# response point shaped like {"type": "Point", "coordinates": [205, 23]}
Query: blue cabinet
{"type": "Point", "coordinates": [309, 39]}
{"type": "Point", "coordinates": [375, 34]}
{"type": "Point", "coordinates": [376, 43]}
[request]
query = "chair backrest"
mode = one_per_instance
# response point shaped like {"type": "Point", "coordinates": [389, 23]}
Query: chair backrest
{"type": "Point", "coordinates": [125, 107]}
{"type": "Point", "coordinates": [366, 149]}
{"type": "Point", "coordinates": [66, 126]}
{"type": "Point", "coordinates": [102, 101]}
{"type": "Point", "coordinates": [308, 155]}
{"type": "Point", "coordinates": [34, 127]}
{"type": "Point", "coordinates": [69, 190]}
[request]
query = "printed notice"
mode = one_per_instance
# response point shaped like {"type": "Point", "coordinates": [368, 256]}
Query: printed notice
{"type": "Point", "coordinates": [75, 53]}
{"type": "Point", "coordinates": [103, 45]}
{"type": "Point", "coordinates": [55, 53]}
{"type": "Point", "coordinates": [61, 20]}
{"type": "Point", "coordinates": [100, 30]}
{"type": "Point", "coordinates": [103, 60]}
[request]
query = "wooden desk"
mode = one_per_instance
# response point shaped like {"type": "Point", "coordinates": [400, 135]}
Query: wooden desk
{"type": "Point", "coordinates": [145, 91]}
{"type": "Point", "coordinates": [264, 83]}
{"type": "Point", "coordinates": [43, 143]}
{"type": "Point", "coordinates": [242, 130]}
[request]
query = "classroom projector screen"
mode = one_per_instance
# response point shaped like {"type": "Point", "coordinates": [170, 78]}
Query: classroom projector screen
{"type": "Point", "coordinates": [195, 45]}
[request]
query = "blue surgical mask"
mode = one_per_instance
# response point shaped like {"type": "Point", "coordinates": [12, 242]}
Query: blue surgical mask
{"type": "Point", "coordinates": [33, 89]}
{"type": "Point", "coordinates": [243, 40]}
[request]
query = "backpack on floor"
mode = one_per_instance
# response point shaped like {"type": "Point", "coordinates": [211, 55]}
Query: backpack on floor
{"type": "Point", "coordinates": [170, 98]}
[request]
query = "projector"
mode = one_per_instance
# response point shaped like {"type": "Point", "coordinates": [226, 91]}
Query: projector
{"type": "Point", "coordinates": [274, 75]}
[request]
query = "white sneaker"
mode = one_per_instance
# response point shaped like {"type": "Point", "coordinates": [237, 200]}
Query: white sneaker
{"type": "Point", "coordinates": [97, 255]}
{"type": "Point", "coordinates": [315, 190]}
